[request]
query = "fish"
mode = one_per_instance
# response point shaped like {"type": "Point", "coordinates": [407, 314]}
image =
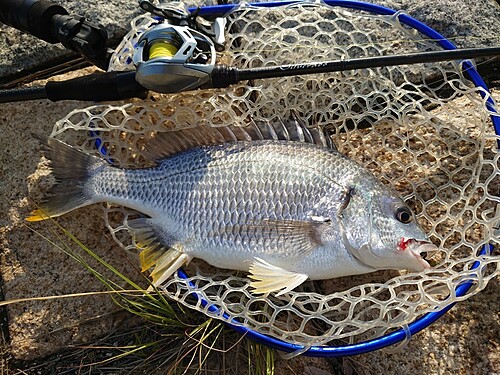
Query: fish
{"type": "Point", "coordinates": [275, 200]}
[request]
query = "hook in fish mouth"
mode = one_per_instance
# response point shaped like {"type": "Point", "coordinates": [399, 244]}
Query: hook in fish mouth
{"type": "Point", "coordinates": [419, 250]}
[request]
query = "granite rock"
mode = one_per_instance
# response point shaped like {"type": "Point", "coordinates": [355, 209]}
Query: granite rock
{"type": "Point", "coordinates": [466, 23]}
{"type": "Point", "coordinates": [457, 20]}
{"type": "Point", "coordinates": [464, 342]}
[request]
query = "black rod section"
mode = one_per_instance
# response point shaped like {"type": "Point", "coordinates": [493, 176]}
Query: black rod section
{"type": "Point", "coordinates": [31, 16]}
{"type": "Point", "coordinates": [25, 93]}
{"type": "Point", "coordinates": [225, 76]}
{"type": "Point", "coordinates": [94, 87]}
{"type": "Point", "coordinates": [50, 22]}
{"type": "Point", "coordinates": [97, 87]}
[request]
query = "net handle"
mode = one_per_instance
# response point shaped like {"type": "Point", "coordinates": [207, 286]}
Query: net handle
{"type": "Point", "coordinates": [460, 290]}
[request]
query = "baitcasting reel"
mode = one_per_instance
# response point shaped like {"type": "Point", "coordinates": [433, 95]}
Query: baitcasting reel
{"type": "Point", "coordinates": [173, 59]}
{"type": "Point", "coordinates": [178, 53]}
{"type": "Point", "coordinates": [173, 56]}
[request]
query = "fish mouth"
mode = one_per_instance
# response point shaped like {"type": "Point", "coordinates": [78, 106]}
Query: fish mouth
{"type": "Point", "coordinates": [419, 250]}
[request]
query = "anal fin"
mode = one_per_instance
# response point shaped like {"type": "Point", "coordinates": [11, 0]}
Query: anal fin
{"type": "Point", "coordinates": [163, 256]}
{"type": "Point", "coordinates": [269, 278]}
{"type": "Point", "coordinates": [166, 265]}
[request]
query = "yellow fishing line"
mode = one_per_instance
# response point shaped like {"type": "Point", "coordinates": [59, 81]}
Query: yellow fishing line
{"type": "Point", "coordinates": [162, 49]}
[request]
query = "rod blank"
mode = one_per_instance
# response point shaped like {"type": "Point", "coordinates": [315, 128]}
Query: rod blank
{"type": "Point", "coordinates": [364, 63]}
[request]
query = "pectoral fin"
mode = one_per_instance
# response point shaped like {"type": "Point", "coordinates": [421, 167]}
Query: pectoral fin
{"type": "Point", "coordinates": [268, 278]}
{"type": "Point", "coordinates": [301, 235]}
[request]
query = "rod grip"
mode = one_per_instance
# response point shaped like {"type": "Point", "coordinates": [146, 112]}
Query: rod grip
{"type": "Point", "coordinates": [31, 16]}
{"type": "Point", "coordinates": [97, 87]}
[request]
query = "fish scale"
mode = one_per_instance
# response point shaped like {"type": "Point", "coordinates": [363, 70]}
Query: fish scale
{"type": "Point", "coordinates": [240, 183]}
{"type": "Point", "coordinates": [283, 210]}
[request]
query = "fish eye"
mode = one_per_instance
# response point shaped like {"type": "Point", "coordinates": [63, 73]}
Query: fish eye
{"type": "Point", "coordinates": [403, 214]}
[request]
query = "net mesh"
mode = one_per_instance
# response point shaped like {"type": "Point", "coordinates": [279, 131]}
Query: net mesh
{"type": "Point", "coordinates": [423, 129]}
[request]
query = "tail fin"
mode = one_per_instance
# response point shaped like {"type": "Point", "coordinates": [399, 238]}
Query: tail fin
{"type": "Point", "coordinates": [71, 169]}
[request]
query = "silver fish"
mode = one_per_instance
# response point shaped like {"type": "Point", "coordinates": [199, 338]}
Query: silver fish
{"type": "Point", "coordinates": [250, 199]}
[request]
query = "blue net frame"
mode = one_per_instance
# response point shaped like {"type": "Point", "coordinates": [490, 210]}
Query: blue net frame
{"type": "Point", "coordinates": [425, 320]}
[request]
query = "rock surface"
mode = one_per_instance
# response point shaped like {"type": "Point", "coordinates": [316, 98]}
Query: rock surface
{"type": "Point", "coordinates": [465, 23]}
{"type": "Point", "coordinates": [37, 328]}
{"type": "Point", "coordinates": [465, 341]}
{"type": "Point", "coordinates": [458, 20]}
{"type": "Point", "coordinates": [21, 52]}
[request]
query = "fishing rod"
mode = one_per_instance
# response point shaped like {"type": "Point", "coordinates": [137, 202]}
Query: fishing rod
{"type": "Point", "coordinates": [178, 54]}
{"type": "Point", "coordinates": [177, 78]}
{"type": "Point", "coordinates": [52, 23]}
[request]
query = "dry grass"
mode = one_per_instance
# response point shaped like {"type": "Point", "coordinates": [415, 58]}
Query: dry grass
{"type": "Point", "coordinates": [166, 339]}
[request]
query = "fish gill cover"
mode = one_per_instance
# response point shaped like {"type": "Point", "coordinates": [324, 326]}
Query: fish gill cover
{"type": "Point", "coordinates": [424, 130]}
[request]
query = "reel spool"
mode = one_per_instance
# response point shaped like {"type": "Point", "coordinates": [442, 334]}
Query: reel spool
{"type": "Point", "coordinates": [173, 58]}
{"type": "Point", "coordinates": [389, 119]}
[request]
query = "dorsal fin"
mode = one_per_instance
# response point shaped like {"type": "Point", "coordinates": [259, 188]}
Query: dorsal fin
{"type": "Point", "coordinates": [299, 131]}
{"type": "Point", "coordinates": [168, 143]}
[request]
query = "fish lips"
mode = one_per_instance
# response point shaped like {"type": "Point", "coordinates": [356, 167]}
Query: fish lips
{"type": "Point", "coordinates": [414, 250]}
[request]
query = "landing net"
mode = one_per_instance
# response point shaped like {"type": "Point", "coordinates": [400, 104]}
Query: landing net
{"type": "Point", "coordinates": [424, 129]}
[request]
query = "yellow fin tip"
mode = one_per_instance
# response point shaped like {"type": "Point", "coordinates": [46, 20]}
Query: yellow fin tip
{"type": "Point", "coordinates": [37, 215]}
